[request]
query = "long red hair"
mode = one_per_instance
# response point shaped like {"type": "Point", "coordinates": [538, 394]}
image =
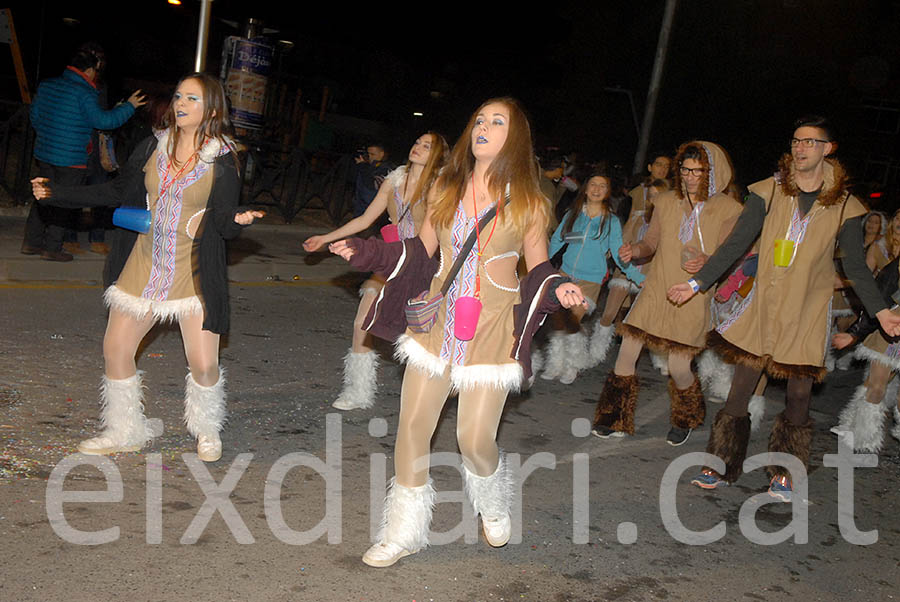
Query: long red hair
{"type": "Point", "coordinates": [515, 165]}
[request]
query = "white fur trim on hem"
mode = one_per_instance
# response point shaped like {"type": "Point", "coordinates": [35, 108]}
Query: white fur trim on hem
{"type": "Point", "coordinates": [506, 377]}
{"type": "Point", "coordinates": [864, 353]}
{"type": "Point", "coordinates": [408, 351]}
{"type": "Point", "coordinates": [503, 377]}
{"type": "Point", "coordinates": [623, 283]}
{"type": "Point", "coordinates": [139, 307]}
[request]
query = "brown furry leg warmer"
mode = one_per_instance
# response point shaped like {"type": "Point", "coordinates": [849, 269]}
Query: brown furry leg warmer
{"type": "Point", "coordinates": [791, 439]}
{"type": "Point", "coordinates": [615, 408]}
{"type": "Point", "coordinates": [688, 407]}
{"type": "Point", "coordinates": [728, 440]}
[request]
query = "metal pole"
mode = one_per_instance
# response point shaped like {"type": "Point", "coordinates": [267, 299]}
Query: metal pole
{"type": "Point", "coordinates": [655, 79]}
{"type": "Point", "coordinates": [203, 35]}
{"type": "Point", "coordinates": [634, 117]}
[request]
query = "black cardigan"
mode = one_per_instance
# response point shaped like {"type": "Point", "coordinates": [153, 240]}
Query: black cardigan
{"type": "Point", "coordinates": [208, 255]}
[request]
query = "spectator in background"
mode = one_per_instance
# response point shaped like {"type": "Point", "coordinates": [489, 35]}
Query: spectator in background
{"type": "Point", "coordinates": [372, 168]}
{"type": "Point", "coordinates": [64, 113]}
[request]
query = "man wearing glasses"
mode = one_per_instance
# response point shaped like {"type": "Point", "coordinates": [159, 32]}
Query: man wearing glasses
{"type": "Point", "coordinates": [801, 214]}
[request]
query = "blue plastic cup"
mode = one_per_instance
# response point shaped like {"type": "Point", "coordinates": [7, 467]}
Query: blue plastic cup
{"type": "Point", "coordinates": [132, 218]}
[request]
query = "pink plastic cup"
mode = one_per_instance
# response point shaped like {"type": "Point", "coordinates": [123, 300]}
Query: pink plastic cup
{"type": "Point", "coordinates": [468, 309]}
{"type": "Point", "coordinates": [390, 233]}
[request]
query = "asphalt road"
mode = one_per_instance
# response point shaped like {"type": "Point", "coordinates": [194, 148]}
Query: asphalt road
{"type": "Point", "coordinates": [300, 535]}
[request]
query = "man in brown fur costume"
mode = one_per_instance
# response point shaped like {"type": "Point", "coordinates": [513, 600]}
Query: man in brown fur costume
{"type": "Point", "coordinates": [782, 327]}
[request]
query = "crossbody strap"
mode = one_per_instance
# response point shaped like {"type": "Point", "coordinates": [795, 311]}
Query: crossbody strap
{"type": "Point", "coordinates": [467, 247]}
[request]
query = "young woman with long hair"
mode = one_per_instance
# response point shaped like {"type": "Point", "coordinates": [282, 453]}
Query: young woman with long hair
{"type": "Point", "coordinates": [402, 195]}
{"type": "Point", "coordinates": [589, 231]}
{"type": "Point", "coordinates": [493, 161]}
{"type": "Point", "coordinates": [188, 178]}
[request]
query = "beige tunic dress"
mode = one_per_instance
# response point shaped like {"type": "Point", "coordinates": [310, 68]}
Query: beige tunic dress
{"type": "Point", "coordinates": [784, 323]}
{"type": "Point", "coordinates": [483, 361]}
{"type": "Point", "coordinates": [408, 220]}
{"type": "Point", "coordinates": [158, 275]}
{"type": "Point", "coordinates": [663, 325]}
{"type": "Point", "coordinates": [632, 231]}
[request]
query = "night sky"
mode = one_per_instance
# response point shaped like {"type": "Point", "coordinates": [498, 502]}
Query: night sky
{"type": "Point", "coordinates": [738, 71]}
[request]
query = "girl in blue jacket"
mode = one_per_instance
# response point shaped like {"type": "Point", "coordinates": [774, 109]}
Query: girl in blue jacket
{"type": "Point", "coordinates": [589, 231]}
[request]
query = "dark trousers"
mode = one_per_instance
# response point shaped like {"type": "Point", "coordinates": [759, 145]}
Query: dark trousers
{"type": "Point", "coordinates": [46, 224]}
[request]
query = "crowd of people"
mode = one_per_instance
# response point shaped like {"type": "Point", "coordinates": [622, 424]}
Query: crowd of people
{"type": "Point", "coordinates": [484, 243]}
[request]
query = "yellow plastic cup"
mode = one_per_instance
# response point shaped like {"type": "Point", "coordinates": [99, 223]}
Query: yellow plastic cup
{"type": "Point", "coordinates": [784, 251]}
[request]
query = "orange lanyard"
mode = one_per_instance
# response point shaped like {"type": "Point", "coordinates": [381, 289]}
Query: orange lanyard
{"type": "Point", "coordinates": [478, 238]}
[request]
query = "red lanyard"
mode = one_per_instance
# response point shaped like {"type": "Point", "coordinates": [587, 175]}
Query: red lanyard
{"type": "Point", "coordinates": [478, 238]}
{"type": "Point", "coordinates": [168, 183]}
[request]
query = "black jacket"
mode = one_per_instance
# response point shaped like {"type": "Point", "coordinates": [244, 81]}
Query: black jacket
{"type": "Point", "coordinates": [208, 256]}
{"type": "Point", "coordinates": [887, 281]}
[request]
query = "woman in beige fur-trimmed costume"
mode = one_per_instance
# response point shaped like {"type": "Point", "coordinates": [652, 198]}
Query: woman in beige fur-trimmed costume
{"type": "Point", "coordinates": [189, 181]}
{"type": "Point", "coordinates": [688, 225]}
{"type": "Point", "coordinates": [402, 195]}
{"type": "Point", "coordinates": [493, 160]}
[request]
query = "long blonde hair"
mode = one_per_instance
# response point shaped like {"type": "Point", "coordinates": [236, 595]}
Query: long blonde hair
{"type": "Point", "coordinates": [515, 165]}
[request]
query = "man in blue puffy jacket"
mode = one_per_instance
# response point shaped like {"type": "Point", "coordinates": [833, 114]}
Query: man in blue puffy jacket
{"type": "Point", "coordinates": [65, 111]}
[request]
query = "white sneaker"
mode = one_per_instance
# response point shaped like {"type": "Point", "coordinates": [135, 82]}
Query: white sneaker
{"type": "Point", "coordinates": [384, 554]}
{"type": "Point", "coordinates": [105, 445]}
{"type": "Point", "coordinates": [209, 448]}
{"type": "Point", "coordinates": [497, 531]}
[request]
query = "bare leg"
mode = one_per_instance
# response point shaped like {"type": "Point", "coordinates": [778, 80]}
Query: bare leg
{"type": "Point", "coordinates": [614, 300]}
{"type": "Point", "coordinates": [201, 348]}
{"type": "Point", "coordinates": [124, 333]}
{"type": "Point", "coordinates": [628, 356]}
{"type": "Point", "coordinates": [362, 340]}
{"type": "Point", "coordinates": [476, 428]}
{"type": "Point", "coordinates": [421, 400]}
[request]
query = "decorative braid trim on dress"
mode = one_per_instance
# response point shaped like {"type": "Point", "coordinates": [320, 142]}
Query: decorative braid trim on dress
{"type": "Point", "coordinates": [162, 311]}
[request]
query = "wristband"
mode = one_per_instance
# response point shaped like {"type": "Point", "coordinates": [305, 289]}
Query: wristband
{"type": "Point", "coordinates": [694, 286]}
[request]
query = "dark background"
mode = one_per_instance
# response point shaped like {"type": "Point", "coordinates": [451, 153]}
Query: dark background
{"type": "Point", "coordinates": [738, 72]}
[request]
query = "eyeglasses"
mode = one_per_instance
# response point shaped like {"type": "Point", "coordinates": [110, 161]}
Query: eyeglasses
{"type": "Point", "coordinates": [694, 171]}
{"type": "Point", "coordinates": [807, 142]}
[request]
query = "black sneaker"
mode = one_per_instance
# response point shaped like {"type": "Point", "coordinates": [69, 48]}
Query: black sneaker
{"type": "Point", "coordinates": [604, 432]}
{"type": "Point", "coordinates": [678, 436]}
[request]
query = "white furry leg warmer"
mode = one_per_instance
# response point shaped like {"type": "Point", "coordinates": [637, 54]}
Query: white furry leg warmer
{"type": "Point", "coordinates": [491, 497]}
{"type": "Point", "coordinates": [895, 432]}
{"type": "Point", "coordinates": [864, 420]}
{"type": "Point", "coordinates": [360, 381]}
{"type": "Point", "coordinates": [660, 362]}
{"type": "Point", "coordinates": [407, 516]}
{"type": "Point", "coordinates": [204, 407]}
{"type": "Point", "coordinates": [601, 339]}
{"type": "Point", "coordinates": [756, 409]}
{"type": "Point", "coordinates": [576, 357]}
{"type": "Point", "coordinates": [122, 412]}
{"type": "Point", "coordinates": [715, 376]}
{"type": "Point", "coordinates": [555, 356]}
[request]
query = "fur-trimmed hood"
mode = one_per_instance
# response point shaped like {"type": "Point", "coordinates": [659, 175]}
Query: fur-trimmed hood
{"type": "Point", "coordinates": [716, 161]}
{"type": "Point", "coordinates": [834, 189]}
{"type": "Point", "coordinates": [212, 148]}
